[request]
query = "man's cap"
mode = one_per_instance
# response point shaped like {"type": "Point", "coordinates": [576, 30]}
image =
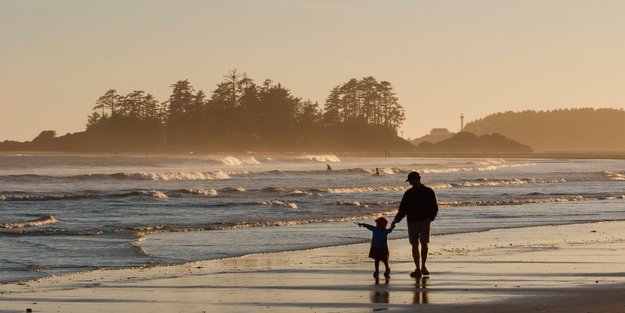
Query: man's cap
{"type": "Point", "coordinates": [413, 175]}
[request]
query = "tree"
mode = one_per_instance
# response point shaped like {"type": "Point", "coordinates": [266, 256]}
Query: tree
{"type": "Point", "coordinates": [110, 101]}
{"type": "Point", "coordinates": [365, 100]}
{"type": "Point", "coordinates": [181, 99]}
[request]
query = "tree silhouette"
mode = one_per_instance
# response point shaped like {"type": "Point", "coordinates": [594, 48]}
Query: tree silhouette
{"type": "Point", "coordinates": [367, 100]}
{"type": "Point", "coordinates": [243, 115]}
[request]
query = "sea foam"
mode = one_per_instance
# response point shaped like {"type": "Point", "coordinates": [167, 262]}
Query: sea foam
{"type": "Point", "coordinates": [44, 220]}
{"type": "Point", "coordinates": [178, 175]}
{"type": "Point", "coordinates": [322, 158]}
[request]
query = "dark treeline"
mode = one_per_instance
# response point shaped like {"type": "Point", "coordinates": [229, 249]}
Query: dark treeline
{"type": "Point", "coordinates": [584, 129]}
{"type": "Point", "coordinates": [241, 115]}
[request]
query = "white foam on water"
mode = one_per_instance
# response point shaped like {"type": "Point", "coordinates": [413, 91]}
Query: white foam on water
{"type": "Point", "coordinates": [233, 189]}
{"type": "Point", "coordinates": [154, 194]}
{"type": "Point", "coordinates": [44, 220]}
{"type": "Point", "coordinates": [511, 181]}
{"type": "Point", "coordinates": [202, 192]}
{"type": "Point", "coordinates": [179, 175]}
{"type": "Point", "coordinates": [233, 161]}
{"type": "Point", "coordinates": [352, 203]}
{"type": "Point", "coordinates": [328, 158]}
{"type": "Point", "coordinates": [284, 203]}
{"type": "Point", "coordinates": [614, 176]}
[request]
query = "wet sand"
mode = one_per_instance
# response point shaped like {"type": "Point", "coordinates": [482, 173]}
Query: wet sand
{"type": "Point", "coordinates": [568, 268]}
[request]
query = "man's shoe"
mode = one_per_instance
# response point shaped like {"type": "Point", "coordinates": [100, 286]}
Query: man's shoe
{"type": "Point", "coordinates": [425, 271]}
{"type": "Point", "coordinates": [416, 274]}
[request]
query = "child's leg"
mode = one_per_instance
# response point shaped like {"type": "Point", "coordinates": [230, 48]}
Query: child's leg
{"type": "Point", "coordinates": [377, 269]}
{"type": "Point", "coordinates": [387, 272]}
{"type": "Point", "coordinates": [386, 265]}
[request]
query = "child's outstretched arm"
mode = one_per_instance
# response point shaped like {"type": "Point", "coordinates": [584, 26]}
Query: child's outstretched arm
{"type": "Point", "coordinates": [367, 226]}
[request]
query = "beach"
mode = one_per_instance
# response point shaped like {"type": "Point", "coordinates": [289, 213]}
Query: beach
{"type": "Point", "coordinates": [562, 268]}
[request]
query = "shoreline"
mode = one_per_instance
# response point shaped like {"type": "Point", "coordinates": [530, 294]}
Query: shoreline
{"type": "Point", "coordinates": [363, 241]}
{"type": "Point", "coordinates": [508, 269]}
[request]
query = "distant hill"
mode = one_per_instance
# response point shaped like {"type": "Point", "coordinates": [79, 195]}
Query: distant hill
{"type": "Point", "coordinates": [585, 129]}
{"type": "Point", "coordinates": [465, 142]}
{"type": "Point", "coordinates": [435, 135]}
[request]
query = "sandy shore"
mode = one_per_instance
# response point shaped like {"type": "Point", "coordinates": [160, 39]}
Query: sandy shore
{"type": "Point", "coordinates": [571, 268]}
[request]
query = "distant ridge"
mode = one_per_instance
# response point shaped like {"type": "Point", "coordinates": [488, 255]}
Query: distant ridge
{"type": "Point", "coordinates": [584, 129]}
{"type": "Point", "coordinates": [465, 142]}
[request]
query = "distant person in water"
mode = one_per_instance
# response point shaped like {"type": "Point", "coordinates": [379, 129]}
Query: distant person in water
{"type": "Point", "coordinates": [379, 245]}
{"type": "Point", "coordinates": [420, 206]}
{"type": "Point", "coordinates": [377, 172]}
{"type": "Point", "coordinates": [328, 167]}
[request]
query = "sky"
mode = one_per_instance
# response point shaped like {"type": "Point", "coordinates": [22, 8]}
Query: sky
{"type": "Point", "coordinates": [443, 57]}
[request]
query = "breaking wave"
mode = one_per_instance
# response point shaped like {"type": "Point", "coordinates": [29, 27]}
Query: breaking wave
{"type": "Point", "coordinates": [233, 189]}
{"type": "Point", "coordinates": [175, 175]}
{"type": "Point", "coordinates": [614, 176]}
{"type": "Point", "coordinates": [44, 220]}
{"type": "Point", "coordinates": [146, 230]}
{"type": "Point", "coordinates": [283, 203]}
{"type": "Point", "coordinates": [321, 158]}
{"type": "Point", "coordinates": [562, 198]}
{"type": "Point", "coordinates": [363, 189]}
{"type": "Point", "coordinates": [230, 160]}
{"type": "Point", "coordinates": [201, 192]}
{"type": "Point", "coordinates": [153, 193]}
{"type": "Point", "coordinates": [209, 175]}
{"type": "Point", "coordinates": [45, 197]}
{"type": "Point", "coordinates": [501, 182]}
{"type": "Point", "coordinates": [352, 203]}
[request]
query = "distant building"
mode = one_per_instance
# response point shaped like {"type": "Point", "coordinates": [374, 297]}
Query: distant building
{"type": "Point", "coordinates": [439, 132]}
{"type": "Point", "coordinates": [435, 135]}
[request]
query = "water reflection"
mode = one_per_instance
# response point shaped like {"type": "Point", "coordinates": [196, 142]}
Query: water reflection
{"type": "Point", "coordinates": [380, 294]}
{"type": "Point", "coordinates": [420, 291]}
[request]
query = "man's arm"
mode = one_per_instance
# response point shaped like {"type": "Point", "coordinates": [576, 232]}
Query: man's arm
{"type": "Point", "coordinates": [403, 210]}
{"type": "Point", "coordinates": [433, 206]}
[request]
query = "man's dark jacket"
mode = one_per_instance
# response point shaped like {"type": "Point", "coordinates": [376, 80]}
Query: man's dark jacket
{"type": "Point", "coordinates": [419, 203]}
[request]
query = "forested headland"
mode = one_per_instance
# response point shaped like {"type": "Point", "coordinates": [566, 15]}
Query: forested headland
{"type": "Point", "coordinates": [360, 115]}
{"type": "Point", "coordinates": [466, 142]}
{"type": "Point", "coordinates": [584, 129]}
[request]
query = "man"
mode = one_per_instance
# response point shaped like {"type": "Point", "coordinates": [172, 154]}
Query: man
{"type": "Point", "coordinates": [420, 206]}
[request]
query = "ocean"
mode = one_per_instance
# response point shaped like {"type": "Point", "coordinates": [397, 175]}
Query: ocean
{"type": "Point", "coordinates": [64, 213]}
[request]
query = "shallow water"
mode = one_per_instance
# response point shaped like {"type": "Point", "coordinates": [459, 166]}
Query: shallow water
{"type": "Point", "coordinates": [71, 213]}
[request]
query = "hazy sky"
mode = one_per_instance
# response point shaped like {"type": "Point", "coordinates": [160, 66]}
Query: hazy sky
{"type": "Point", "coordinates": [443, 57]}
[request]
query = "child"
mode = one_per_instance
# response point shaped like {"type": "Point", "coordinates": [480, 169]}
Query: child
{"type": "Point", "coordinates": [379, 246]}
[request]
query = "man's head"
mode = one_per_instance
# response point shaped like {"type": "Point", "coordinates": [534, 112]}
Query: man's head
{"type": "Point", "coordinates": [414, 178]}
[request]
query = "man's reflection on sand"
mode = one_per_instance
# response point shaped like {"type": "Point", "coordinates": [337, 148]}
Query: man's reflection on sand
{"type": "Point", "coordinates": [380, 294]}
{"type": "Point", "coordinates": [420, 291]}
